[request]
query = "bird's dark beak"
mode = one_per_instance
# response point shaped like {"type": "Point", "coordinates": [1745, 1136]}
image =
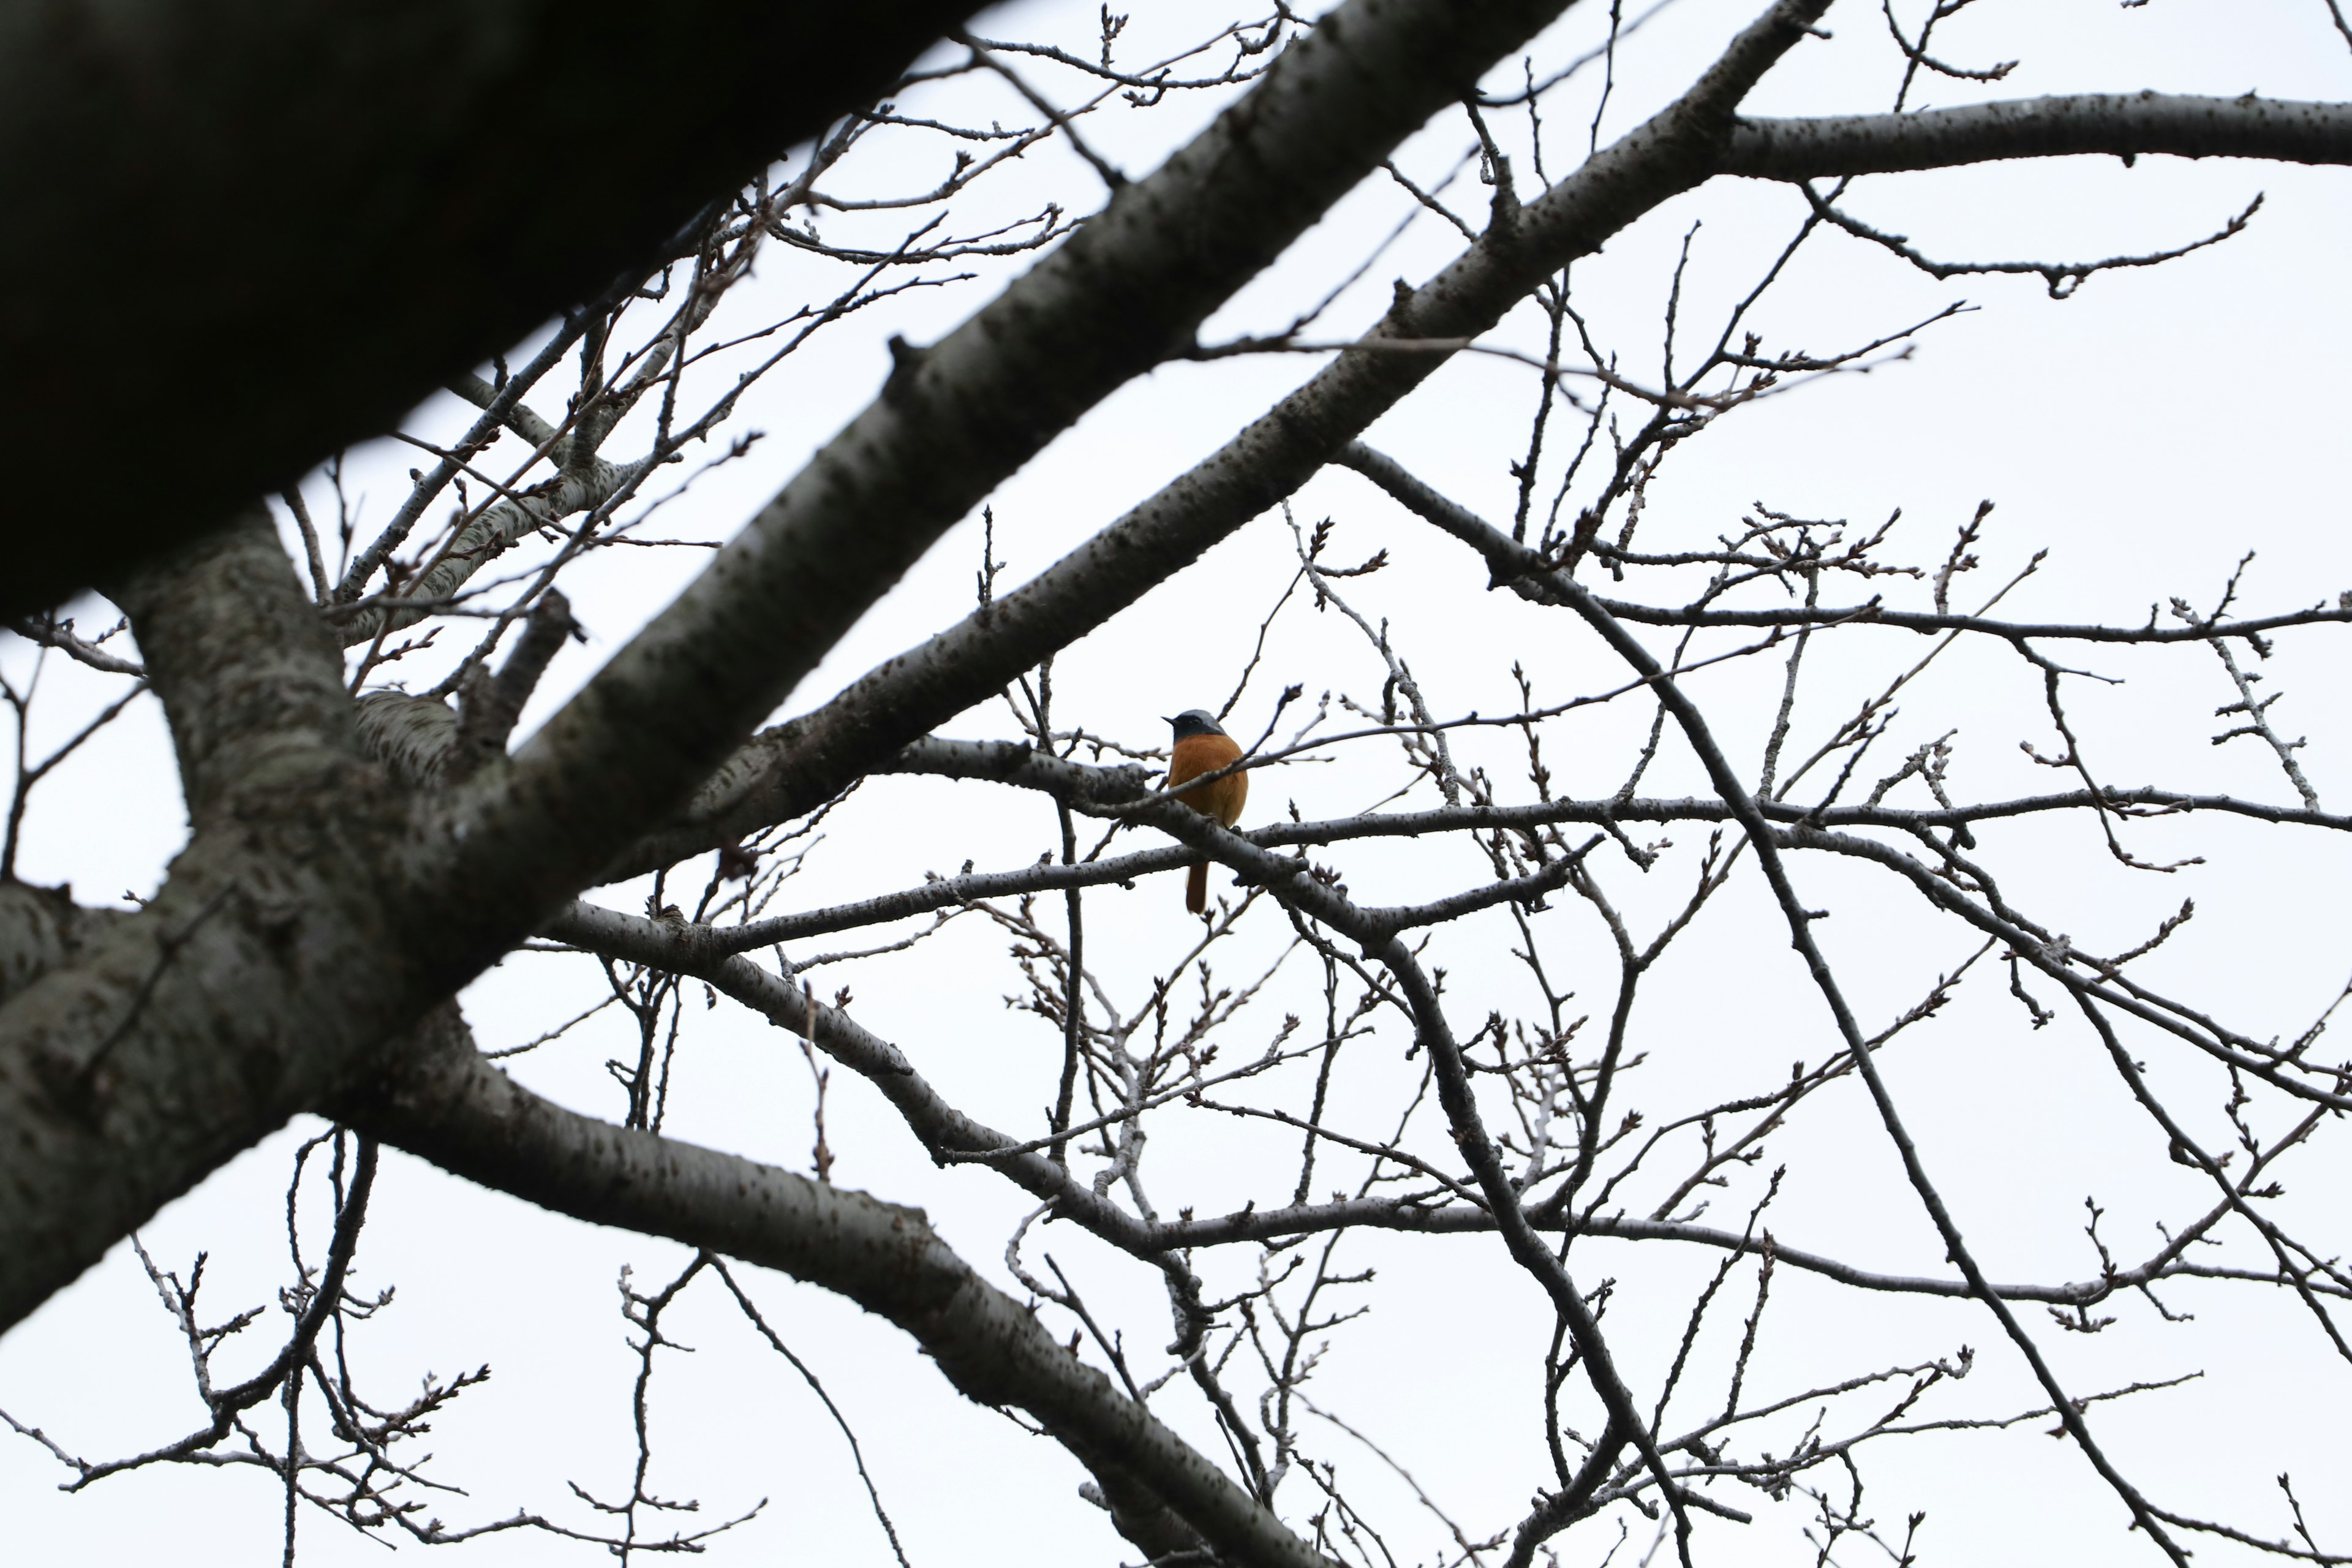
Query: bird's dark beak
{"type": "Point", "coordinates": [1165, 719]}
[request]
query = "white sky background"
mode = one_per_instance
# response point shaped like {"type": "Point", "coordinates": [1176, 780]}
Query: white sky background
{"type": "Point", "coordinates": [2149, 432]}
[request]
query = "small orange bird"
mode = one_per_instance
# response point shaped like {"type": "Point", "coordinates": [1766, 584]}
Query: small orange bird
{"type": "Point", "coordinates": [1202, 747]}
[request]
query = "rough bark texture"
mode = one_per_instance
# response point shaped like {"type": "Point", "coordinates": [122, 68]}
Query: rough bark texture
{"type": "Point", "coordinates": [247, 990]}
{"type": "Point", "coordinates": [42, 929]}
{"type": "Point", "coordinates": [2120, 124]}
{"type": "Point", "coordinates": [242, 235]}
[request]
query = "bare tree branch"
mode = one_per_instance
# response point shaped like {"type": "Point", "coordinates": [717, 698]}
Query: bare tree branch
{"type": "Point", "coordinates": [447, 1104]}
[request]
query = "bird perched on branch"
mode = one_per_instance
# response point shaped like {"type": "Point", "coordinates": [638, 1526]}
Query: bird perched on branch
{"type": "Point", "coordinates": [1202, 747]}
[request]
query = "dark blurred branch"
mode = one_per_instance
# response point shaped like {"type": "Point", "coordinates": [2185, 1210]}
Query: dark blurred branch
{"type": "Point", "coordinates": [341, 208]}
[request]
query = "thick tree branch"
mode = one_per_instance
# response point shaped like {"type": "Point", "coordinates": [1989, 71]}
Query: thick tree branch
{"type": "Point", "coordinates": [491, 704]}
{"type": "Point", "coordinates": [42, 929]}
{"type": "Point", "coordinates": [267, 965]}
{"type": "Point", "coordinates": [2120, 124]}
{"type": "Point", "coordinates": [338, 208]}
{"type": "Point", "coordinates": [249, 678]}
{"type": "Point", "coordinates": [789, 769]}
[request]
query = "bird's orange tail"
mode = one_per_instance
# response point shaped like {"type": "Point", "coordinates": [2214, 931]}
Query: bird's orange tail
{"type": "Point", "coordinates": [1196, 888]}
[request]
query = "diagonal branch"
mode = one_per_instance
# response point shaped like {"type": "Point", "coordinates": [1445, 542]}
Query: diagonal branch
{"type": "Point", "coordinates": [1544, 584]}
{"type": "Point", "coordinates": [1126, 293]}
{"type": "Point", "coordinates": [789, 769]}
{"type": "Point", "coordinates": [447, 1104]}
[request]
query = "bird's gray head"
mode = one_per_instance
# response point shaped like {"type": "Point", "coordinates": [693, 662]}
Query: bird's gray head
{"type": "Point", "coordinates": [1195, 721]}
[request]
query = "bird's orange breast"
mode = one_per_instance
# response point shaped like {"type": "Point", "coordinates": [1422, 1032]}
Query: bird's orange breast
{"type": "Point", "coordinates": [1198, 754]}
